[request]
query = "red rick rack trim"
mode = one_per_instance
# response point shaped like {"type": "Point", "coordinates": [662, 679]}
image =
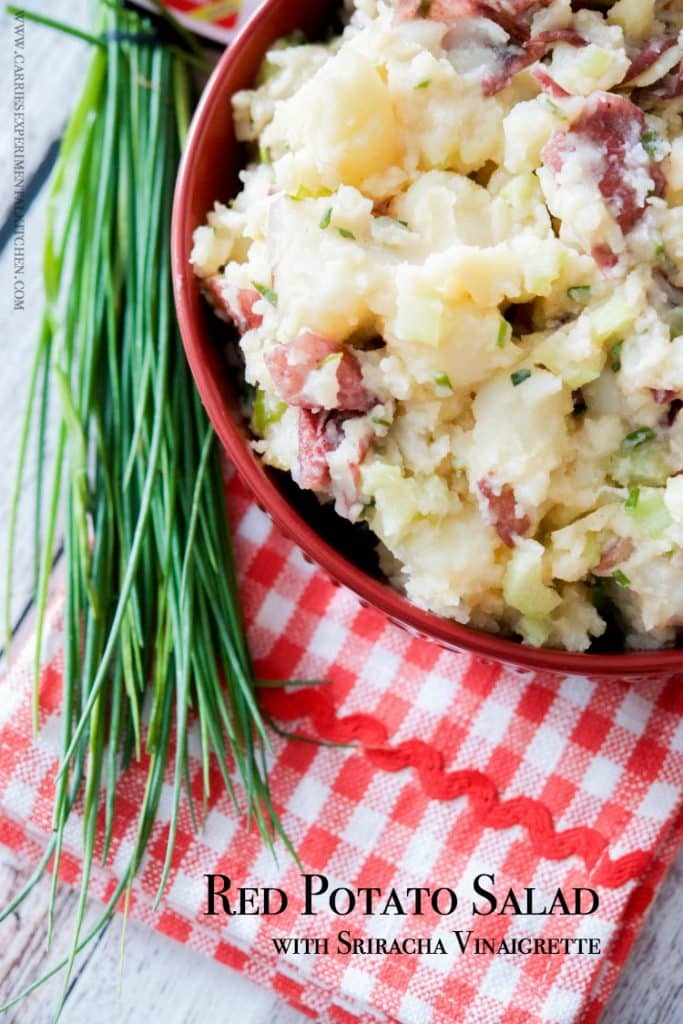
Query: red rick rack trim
{"type": "Point", "coordinates": [438, 784]}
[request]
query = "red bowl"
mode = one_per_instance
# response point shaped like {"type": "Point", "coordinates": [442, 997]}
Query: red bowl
{"type": "Point", "coordinates": [208, 172]}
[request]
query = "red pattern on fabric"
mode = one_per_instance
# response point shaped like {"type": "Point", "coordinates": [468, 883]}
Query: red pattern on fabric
{"type": "Point", "coordinates": [192, 6]}
{"type": "Point", "coordinates": [454, 767]}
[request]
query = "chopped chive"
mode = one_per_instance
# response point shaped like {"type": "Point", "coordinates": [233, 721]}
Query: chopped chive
{"type": "Point", "coordinates": [442, 380]}
{"type": "Point", "coordinates": [326, 218]}
{"type": "Point", "coordinates": [345, 233]}
{"type": "Point", "coordinates": [664, 260]}
{"type": "Point", "coordinates": [519, 376]}
{"type": "Point", "coordinates": [268, 294]}
{"type": "Point", "coordinates": [264, 155]}
{"type": "Point", "coordinates": [620, 578]}
{"type": "Point", "coordinates": [504, 334]}
{"type": "Point", "coordinates": [615, 355]}
{"type": "Point", "coordinates": [307, 193]}
{"type": "Point", "coordinates": [424, 83]}
{"type": "Point", "coordinates": [632, 500]}
{"type": "Point", "coordinates": [334, 357]}
{"type": "Point", "coordinates": [404, 224]}
{"type": "Point", "coordinates": [637, 437]}
{"type": "Point", "coordinates": [579, 293]}
{"type": "Point", "coordinates": [380, 421]}
{"type": "Point", "coordinates": [652, 144]}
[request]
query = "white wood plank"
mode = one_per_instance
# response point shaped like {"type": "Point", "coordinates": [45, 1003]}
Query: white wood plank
{"type": "Point", "coordinates": [53, 69]}
{"type": "Point", "coordinates": [161, 978]}
{"type": "Point", "coordinates": [650, 991]}
{"type": "Point", "coordinates": [23, 956]}
{"type": "Point", "coordinates": [18, 337]}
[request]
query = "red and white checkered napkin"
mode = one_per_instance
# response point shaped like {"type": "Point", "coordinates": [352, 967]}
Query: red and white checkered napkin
{"type": "Point", "coordinates": [456, 769]}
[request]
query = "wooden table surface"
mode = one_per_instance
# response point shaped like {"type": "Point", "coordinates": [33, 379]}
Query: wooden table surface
{"type": "Point", "coordinates": [161, 979]}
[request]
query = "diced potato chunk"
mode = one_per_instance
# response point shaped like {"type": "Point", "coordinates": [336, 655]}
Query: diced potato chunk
{"type": "Point", "coordinates": [347, 119]}
{"type": "Point", "coordinates": [636, 17]}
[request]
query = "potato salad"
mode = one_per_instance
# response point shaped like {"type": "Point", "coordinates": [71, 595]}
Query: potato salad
{"type": "Point", "coordinates": [456, 268]}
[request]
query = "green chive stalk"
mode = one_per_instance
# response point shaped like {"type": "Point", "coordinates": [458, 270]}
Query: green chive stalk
{"type": "Point", "coordinates": [153, 627]}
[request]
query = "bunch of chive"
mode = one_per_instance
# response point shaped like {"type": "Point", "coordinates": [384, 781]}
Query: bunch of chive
{"type": "Point", "coordinates": [152, 618]}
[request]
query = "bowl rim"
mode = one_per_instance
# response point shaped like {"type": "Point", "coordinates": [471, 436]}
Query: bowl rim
{"type": "Point", "coordinates": [445, 632]}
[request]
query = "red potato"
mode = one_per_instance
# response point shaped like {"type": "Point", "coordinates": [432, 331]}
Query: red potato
{"type": "Point", "coordinates": [242, 314]}
{"type": "Point", "coordinates": [648, 56]}
{"type": "Point", "coordinates": [662, 396]}
{"type": "Point", "coordinates": [500, 508]}
{"type": "Point", "coordinates": [317, 437]}
{"type": "Point", "coordinates": [605, 258]}
{"type": "Point", "coordinates": [514, 59]}
{"type": "Point", "coordinates": [549, 85]}
{"type": "Point", "coordinates": [290, 365]}
{"type": "Point", "coordinates": [614, 126]}
{"type": "Point", "coordinates": [613, 555]}
{"type": "Point", "coordinates": [512, 15]}
{"type": "Point", "coordinates": [320, 433]}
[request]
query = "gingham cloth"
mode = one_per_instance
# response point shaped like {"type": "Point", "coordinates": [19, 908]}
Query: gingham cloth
{"type": "Point", "coordinates": [456, 768]}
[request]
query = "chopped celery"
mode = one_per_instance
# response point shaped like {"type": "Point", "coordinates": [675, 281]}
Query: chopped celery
{"type": "Point", "coordinates": [395, 497]}
{"type": "Point", "coordinates": [592, 551]}
{"type": "Point", "coordinates": [647, 464]}
{"type": "Point", "coordinates": [613, 318]}
{"type": "Point", "coordinates": [651, 515]}
{"type": "Point", "coordinates": [266, 410]}
{"type": "Point", "coordinates": [309, 193]}
{"type": "Point", "coordinates": [504, 334]}
{"type": "Point", "coordinates": [534, 631]}
{"type": "Point", "coordinates": [523, 586]}
{"type": "Point", "coordinates": [594, 61]}
{"type": "Point", "coordinates": [419, 319]}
